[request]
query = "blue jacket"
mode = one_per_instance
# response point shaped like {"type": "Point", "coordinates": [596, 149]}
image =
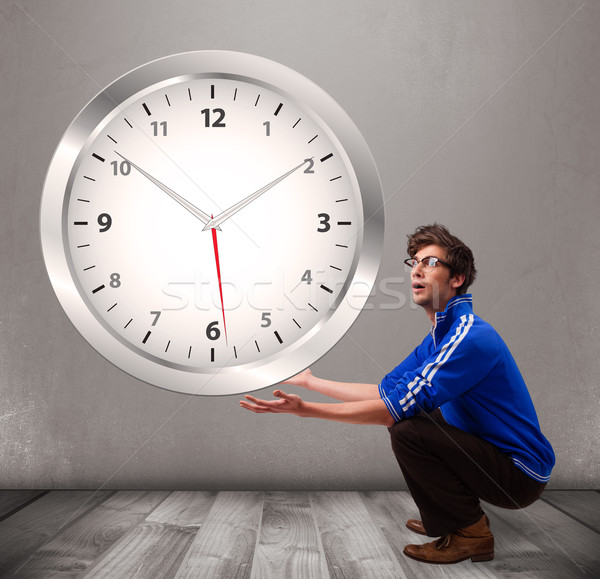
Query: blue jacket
{"type": "Point", "coordinates": [464, 368]}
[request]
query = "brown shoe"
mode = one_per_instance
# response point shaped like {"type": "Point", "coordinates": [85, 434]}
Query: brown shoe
{"type": "Point", "coordinates": [475, 542]}
{"type": "Point", "coordinates": [416, 526]}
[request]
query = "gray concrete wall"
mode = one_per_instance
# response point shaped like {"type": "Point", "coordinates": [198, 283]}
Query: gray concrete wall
{"type": "Point", "coordinates": [483, 115]}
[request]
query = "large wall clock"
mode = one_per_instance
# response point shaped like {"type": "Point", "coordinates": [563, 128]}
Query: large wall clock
{"type": "Point", "coordinates": [212, 222]}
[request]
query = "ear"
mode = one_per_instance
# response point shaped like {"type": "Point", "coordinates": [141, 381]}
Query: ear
{"type": "Point", "coordinates": [457, 280]}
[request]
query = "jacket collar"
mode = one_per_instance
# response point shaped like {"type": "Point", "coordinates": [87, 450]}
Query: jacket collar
{"type": "Point", "coordinates": [458, 306]}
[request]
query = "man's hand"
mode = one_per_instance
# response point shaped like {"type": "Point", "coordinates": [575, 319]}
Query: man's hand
{"type": "Point", "coordinates": [287, 403]}
{"type": "Point", "coordinates": [360, 412]}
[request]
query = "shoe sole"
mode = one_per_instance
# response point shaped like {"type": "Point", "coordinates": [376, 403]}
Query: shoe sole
{"type": "Point", "coordinates": [474, 558]}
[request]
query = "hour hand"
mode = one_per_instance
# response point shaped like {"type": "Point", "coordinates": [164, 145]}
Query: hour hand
{"type": "Point", "coordinates": [205, 218]}
{"type": "Point", "coordinates": [214, 223]}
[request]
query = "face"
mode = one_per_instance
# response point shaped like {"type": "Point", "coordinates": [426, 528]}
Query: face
{"type": "Point", "coordinates": [433, 289]}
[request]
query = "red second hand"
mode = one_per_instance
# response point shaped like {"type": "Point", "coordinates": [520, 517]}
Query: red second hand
{"type": "Point", "coordinates": [216, 248]}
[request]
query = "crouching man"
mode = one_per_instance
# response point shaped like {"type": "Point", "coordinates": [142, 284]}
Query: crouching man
{"type": "Point", "coordinates": [462, 424]}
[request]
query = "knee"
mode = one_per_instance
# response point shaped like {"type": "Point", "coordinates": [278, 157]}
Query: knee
{"type": "Point", "coordinates": [404, 433]}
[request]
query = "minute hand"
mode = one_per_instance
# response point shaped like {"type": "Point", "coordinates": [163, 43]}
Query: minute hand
{"type": "Point", "coordinates": [205, 218]}
{"type": "Point", "coordinates": [216, 221]}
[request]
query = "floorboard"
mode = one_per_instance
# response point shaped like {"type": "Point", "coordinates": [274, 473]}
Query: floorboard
{"type": "Point", "coordinates": [564, 546]}
{"type": "Point", "coordinates": [225, 545]}
{"type": "Point", "coordinates": [72, 551]}
{"type": "Point", "coordinates": [289, 544]}
{"type": "Point", "coordinates": [582, 505]}
{"type": "Point", "coordinates": [29, 529]}
{"type": "Point", "coordinates": [353, 544]}
{"type": "Point", "coordinates": [13, 501]}
{"type": "Point", "coordinates": [283, 535]}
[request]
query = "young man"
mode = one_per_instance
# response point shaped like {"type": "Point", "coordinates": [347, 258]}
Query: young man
{"type": "Point", "coordinates": [462, 423]}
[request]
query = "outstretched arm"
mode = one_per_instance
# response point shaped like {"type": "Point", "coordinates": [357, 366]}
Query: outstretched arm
{"type": "Point", "coordinates": [345, 391]}
{"type": "Point", "coordinates": [357, 412]}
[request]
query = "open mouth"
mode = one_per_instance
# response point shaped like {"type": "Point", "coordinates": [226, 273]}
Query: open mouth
{"type": "Point", "coordinates": [418, 286]}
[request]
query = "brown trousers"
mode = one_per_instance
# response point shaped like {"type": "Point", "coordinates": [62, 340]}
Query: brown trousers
{"type": "Point", "coordinates": [448, 471]}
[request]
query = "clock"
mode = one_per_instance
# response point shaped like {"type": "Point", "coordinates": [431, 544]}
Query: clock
{"type": "Point", "coordinates": [212, 222]}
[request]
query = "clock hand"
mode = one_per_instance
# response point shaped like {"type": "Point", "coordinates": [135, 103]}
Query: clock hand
{"type": "Point", "coordinates": [216, 248]}
{"type": "Point", "coordinates": [183, 202]}
{"type": "Point", "coordinates": [216, 221]}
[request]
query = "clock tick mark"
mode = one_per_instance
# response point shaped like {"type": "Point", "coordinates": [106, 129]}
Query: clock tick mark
{"type": "Point", "coordinates": [212, 354]}
{"type": "Point", "coordinates": [340, 245]}
{"type": "Point", "coordinates": [168, 344]}
{"type": "Point", "coordinates": [146, 337]}
{"type": "Point", "coordinates": [88, 178]}
{"type": "Point", "coordinates": [296, 122]}
{"type": "Point", "coordinates": [190, 96]}
{"type": "Point", "coordinates": [130, 125]}
{"type": "Point", "coordinates": [324, 287]}
{"type": "Point", "coordinates": [212, 91]}
{"type": "Point", "coordinates": [85, 245]}
{"type": "Point", "coordinates": [278, 109]}
{"type": "Point", "coordinates": [335, 179]}
{"type": "Point", "coordinates": [189, 352]}
{"type": "Point", "coordinates": [341, 200]}
{"type": "Point", "coordinates": [326, 157]}
{"type": "Point", "coordinates": [278, 337]}
{"type": "Point", "coordinates": [115, 142]}
{"type": "Point", "coordinates": [80, 222]}
{"type": "Point", "coordinates": [344, 222]}
{"type": "Point", "coordinates": [146, 109]}
{"type": "Point", "coordinates": [168, 101]}
{"type": "Point", "coordinates": [90, 267]}
{"type": "Point", "coordinates": [313, 307]}
{"type": "Point", "coordinates": [334, 267]}
{"type": "Point", "coordinates": [111, 307]}
{"type": "Point", "coordinates": [129, 322]}
{"type": "Point", "coordinates": [295, 322]}
{"type": "Point", "coordinates": [98, 157]}
{"type": "Point", "coordinates": [256, 344]}
{"type": "Point", "coordinates": [235, 94]}
{"type": "Point", "coordinates": [257, 99]}
{"type": "Point", "coordinates": [235, 352]}
{"type": "Point", "coordinates": [309, 142]}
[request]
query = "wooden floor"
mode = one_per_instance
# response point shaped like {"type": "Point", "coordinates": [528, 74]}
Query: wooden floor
{"type": "Point", "coordinates": [161, 534]}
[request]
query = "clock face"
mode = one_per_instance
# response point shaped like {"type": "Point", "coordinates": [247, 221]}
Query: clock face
{"type": "Point", "coordinates": [211, 222]}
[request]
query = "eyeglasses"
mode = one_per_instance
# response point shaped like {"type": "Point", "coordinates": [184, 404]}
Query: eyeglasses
{"type": "Point", "coordinates": [429, 263]}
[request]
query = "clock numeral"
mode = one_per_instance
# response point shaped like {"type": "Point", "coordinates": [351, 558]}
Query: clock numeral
{"type": "Point", "coordinates": [267, 125]}
{"type": "Point", "coordinates": [324, 221]}
{"type": "Point", "coordinates": [156, 315]}
{"type": "Point", "coordinates": [163, 126]}
{"type": "Point", "coordinates": [115, 280]}
{"type": "Point", "coordinates": [105, 222]}
{"type": "Point", "coordinates": [212, 331]}
{"type": "Point", "coordinates": [207, 117]}
{"type": "Point", "coordinates": [265, 320]}
{"type": "Point", "coordinates": [309, 170]}
{"type": "Point", "coordinates": [307, 277]}
{"type": "Point", "coordinates": [122, 168]}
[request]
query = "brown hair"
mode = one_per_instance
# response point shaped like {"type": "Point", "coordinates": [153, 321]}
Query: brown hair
{"type": "Point", "coordinates": [458, 255]}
